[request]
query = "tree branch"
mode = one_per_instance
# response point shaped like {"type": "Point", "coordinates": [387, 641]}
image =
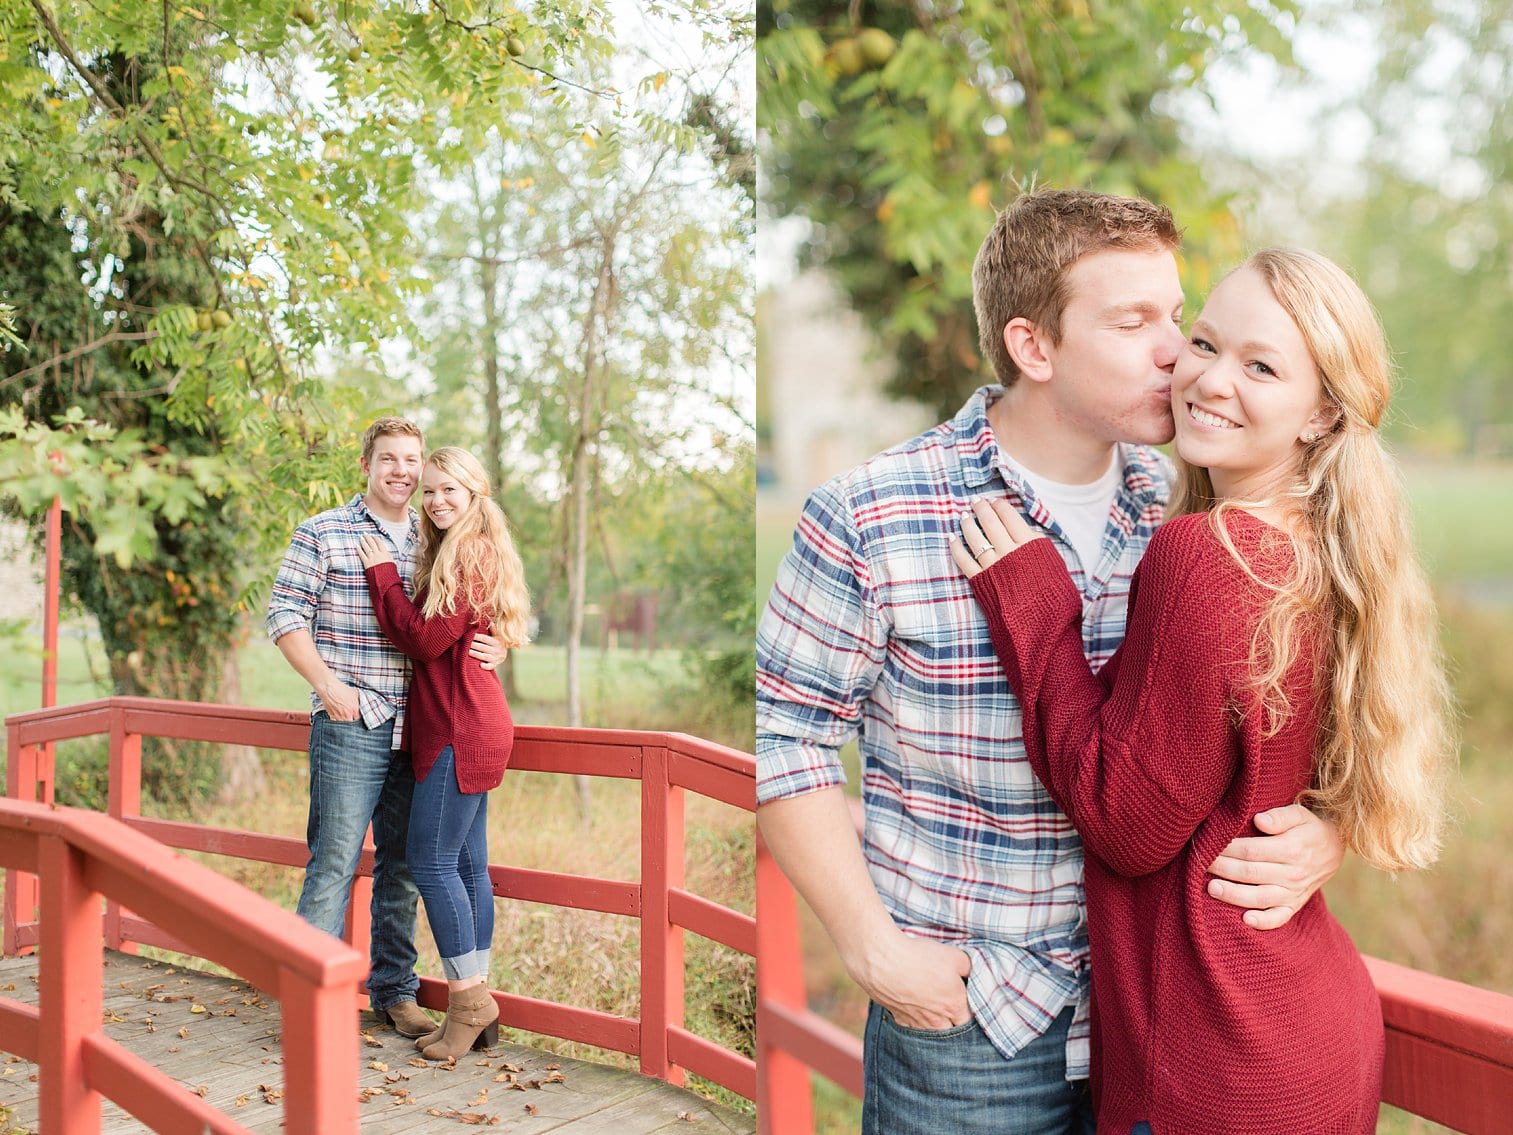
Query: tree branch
{"type": "Point", "coordinates": [87, 348]}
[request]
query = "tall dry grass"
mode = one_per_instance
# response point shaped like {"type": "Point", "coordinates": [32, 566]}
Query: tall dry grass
{"type": "Point", "coordinates": [580, 958]}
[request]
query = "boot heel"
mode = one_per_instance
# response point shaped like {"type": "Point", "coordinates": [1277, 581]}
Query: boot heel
{"type": "Point", "coordinates": [489, 1037]}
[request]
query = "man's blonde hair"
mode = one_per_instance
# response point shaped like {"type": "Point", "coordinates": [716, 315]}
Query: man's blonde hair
{"type": "Point", "coordinates": [1021, 268]}
{"type": "Point", "coordinates": [390, 427]}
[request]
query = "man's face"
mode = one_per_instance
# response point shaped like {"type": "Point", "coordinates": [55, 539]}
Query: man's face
{"type": "Point", "coordinates": [1120, 336]}
{"type": "Point", "coordinates": [393, 471]}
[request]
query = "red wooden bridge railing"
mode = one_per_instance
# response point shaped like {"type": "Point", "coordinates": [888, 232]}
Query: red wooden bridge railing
{"type": "Point", "coordinates": [79, 856]}
{"type": "Point", "coordinates": [1449, 1045]}
{"type": "Point", "coordinates": [667, 765]}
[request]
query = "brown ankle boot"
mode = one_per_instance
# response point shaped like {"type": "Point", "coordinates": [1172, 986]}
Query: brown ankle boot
{"type": "Point", "coordinates": [407, 1019]}
{"type": "Point", "coordinates": [472, 1022]}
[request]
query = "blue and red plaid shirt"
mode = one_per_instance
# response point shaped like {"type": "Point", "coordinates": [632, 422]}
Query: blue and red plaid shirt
{"type": "Point", "coordinates": [321, 588]}
{"type": "Point", "coordinates": [871, 631]}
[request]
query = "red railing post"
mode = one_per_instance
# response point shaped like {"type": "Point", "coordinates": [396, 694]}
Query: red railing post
{"type": "Point", "coordinates": [785, 1095]}
{"type": "Point", "coordinates": [20, 886]}
{"type": "Point", "coordinates": [662, 852]}
{"type": "Point", "coordinates": [124, 802]}
{"type": "Point", "coordinates": [70, 1001]}
{"type": "Point", "coordinates": [50, 597]}
{"type": "Point", "coordinates": [320, 1050]}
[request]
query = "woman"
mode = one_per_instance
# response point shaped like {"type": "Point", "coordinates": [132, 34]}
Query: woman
{"type": "Point", "coordinates": [458, 731]}
{"type": "Point", "coordinates": [1280, 646]}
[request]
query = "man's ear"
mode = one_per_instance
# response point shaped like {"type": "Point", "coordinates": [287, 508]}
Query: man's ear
{"type": "Point", "coordinates": [1028, 345]}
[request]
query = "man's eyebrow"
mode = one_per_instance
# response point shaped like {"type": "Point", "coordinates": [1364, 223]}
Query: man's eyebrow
{"type": "Point", "coordinates": [1134, 307]}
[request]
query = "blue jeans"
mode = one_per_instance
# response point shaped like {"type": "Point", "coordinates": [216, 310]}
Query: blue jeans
{"type": "Point", "coordinates": [355, 779]}
{"type": "Point", "coordinates": [449, 855]}
{"type": "Point", "coordinates": [954, 1082]}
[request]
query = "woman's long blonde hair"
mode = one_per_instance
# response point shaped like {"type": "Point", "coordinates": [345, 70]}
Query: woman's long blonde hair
{"type": "Point", "coordinates": [474, 558]}
{"type": "Point", "coordinates": [1386, 747]}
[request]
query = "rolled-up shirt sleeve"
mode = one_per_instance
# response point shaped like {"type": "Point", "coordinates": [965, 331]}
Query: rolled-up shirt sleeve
{"type": "Point", "coordinates": [298, 585]}
{"type": "Point", "coordinates": [820, 647]}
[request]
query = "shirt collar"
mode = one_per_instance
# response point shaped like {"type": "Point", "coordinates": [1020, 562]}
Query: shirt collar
{"type": "Point", "coordinates": [359, 505]}
{"type": "Point", "coordinates": [976, 450]}
{"type": "Point", "coordinates": [1146, 476]}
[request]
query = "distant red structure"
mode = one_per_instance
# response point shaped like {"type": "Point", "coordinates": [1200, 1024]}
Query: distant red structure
{"type": "Point", "coordinates": [632, 613]}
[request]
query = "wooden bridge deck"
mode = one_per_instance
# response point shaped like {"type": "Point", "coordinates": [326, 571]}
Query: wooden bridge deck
{"type": "Point", "coordinates": [219, 1037]}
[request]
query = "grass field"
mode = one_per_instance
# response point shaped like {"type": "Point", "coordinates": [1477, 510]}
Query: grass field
{"type": "Point", "coordinates": [1453, 920]}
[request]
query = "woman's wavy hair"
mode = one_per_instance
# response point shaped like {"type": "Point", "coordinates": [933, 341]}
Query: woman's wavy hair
{"type": "Point", "coordinates": [475, 558]}
{"type": "Point", "coordinates": [1386, 747]}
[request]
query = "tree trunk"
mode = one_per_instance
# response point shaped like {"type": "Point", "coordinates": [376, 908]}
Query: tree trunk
{"type": "Point", "coordinates": [583, 459]}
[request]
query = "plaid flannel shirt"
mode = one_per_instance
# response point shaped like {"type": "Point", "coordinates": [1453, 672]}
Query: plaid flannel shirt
{"type": "Point", "coordinates": [321, 588]}
{"type": "Point", "coordinates": [871, 630]}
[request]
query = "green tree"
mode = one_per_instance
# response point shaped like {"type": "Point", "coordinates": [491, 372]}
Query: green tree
{"type": "Point", "coordinates": [608, 296]}
{"type": "Point", "coordinates": [204, 201]}
{"type": "Point", "coordinates": [897, 130]}
{"type": "Point", "coordinates": [1431, 234]}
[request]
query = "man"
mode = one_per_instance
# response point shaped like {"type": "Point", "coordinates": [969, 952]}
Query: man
{"type": "Point", "coordinates": [321, 618]}
{"type": "Point", "coordinates": [961, 913]}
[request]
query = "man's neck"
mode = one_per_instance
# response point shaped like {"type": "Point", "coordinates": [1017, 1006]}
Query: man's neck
{"type": "Point", "coordinates": [393, 516]}
{"type": "Point", "coordinates": [1030, 430]}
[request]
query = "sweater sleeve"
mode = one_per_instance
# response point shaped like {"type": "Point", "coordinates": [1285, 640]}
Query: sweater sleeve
{"type": "Point", "coordinates": [1137, 765]}
{"type": "Point", "coordinates": [419, 638]}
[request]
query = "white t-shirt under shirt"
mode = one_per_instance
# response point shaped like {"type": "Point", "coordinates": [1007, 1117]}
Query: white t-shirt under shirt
{"type": "Point", "coordinates": [399, 530]}
{"type": "Point", "coordinates": [1081, 511]}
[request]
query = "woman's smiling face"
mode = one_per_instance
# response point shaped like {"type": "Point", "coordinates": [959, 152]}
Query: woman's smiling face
{"type": "Point", "coordinates": [445, 500]}
{"type": "Point", "coordinates": [1246, 391]}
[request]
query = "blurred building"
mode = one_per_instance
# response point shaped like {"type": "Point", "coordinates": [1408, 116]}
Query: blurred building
{"type": "Point", "coordinates": [20, 577]}
{"type": "Point", "coordinates": [820, 406]}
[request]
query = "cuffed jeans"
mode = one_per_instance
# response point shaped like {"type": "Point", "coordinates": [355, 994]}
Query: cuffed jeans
{"type": "Point", "coordinates": [357, 779]}
{"type": "Point", "coordinates": [449, 855]}
{"type": "Point", "coordinates": [954, 1082]}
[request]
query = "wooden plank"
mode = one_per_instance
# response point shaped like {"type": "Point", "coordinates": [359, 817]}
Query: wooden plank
{"type": "Point", "coordinates": [230, 1052]}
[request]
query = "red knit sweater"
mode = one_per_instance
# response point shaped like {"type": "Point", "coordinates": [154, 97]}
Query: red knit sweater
{"type": "Point", "coordinates": [1201, 1025]}
{"type": "Point", "coordinates": [453, 700]}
